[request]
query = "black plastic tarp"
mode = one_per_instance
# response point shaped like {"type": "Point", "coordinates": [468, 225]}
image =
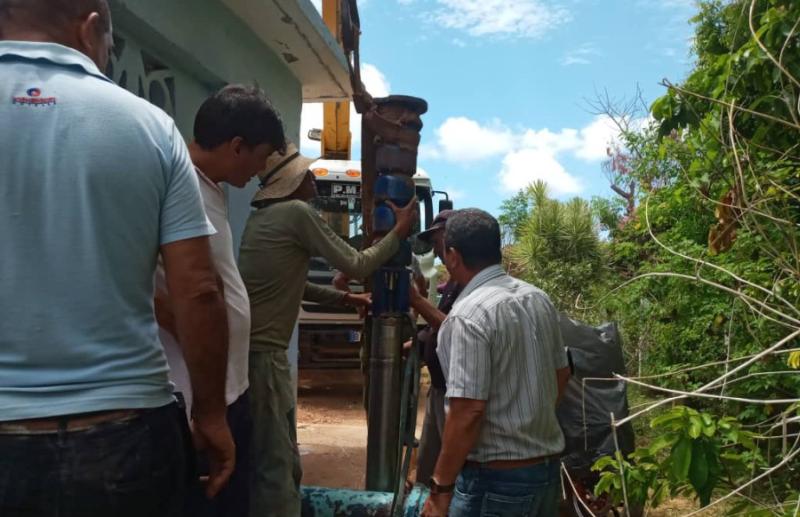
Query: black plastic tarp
{"type": "Point", "coordinates": [586, 408]}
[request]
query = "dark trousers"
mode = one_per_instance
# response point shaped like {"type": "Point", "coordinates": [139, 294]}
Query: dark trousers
{"type": "Point", "coordinates": [130, 468]}
{"type": "Point", "coordinates": [234, 499]}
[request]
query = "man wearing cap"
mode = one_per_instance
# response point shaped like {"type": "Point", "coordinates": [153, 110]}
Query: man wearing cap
{"type": "Point", "coordinates": [281, 236]}
{"type": "Point", "coordinates": [433, 424]}
{"type": "Point", "coordinates": [235, 131]}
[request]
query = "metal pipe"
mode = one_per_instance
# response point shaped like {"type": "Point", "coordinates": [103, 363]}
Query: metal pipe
{"type": "Point", "coordinates": [333, 502]}
{"type": "Point", "coordinates": [385, 369]}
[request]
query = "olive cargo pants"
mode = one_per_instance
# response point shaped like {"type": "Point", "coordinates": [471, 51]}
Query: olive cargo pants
{"type": "Point", "coordinates": [276, 470]}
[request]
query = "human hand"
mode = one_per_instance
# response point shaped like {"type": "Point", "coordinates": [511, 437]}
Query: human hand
{"type": "Point", "coordinates": [213, 435]}
{"type": "Point", "coordinates": [437, 505]}
{"type": "Point", "coordinates": [405, 217]}
{"type": "Point", "coordinates": [361, 302]}
{"type": "Point", "coordinates": [341, 282]}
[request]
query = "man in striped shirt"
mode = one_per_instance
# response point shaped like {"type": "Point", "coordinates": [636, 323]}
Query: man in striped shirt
{"type": "Point", "coordinates": [502, 353]}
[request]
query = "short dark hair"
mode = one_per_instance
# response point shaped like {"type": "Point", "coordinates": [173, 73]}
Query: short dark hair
{"type": "Point", "coordinates": [51, 15]}
{"type": "Point", "coordinates": [476, 235]}
{"type": "Point", "coordinates": [242, 111]}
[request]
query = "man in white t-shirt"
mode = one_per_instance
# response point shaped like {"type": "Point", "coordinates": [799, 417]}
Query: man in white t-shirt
{"type": "Point", "coordinates": [235, 131]}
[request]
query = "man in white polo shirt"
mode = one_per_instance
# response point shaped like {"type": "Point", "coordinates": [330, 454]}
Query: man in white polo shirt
{"type": "Point", "coordinates": [235, 131]}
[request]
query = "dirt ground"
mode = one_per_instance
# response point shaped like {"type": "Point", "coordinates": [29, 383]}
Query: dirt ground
{"type": "Point", "coordinates": [332, 434]}
{"type": "Point", "coordinates": [332, 427]}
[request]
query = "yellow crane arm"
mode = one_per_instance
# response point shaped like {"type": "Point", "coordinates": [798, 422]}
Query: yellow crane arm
{"type": "Point", "coordinates": [336, 138]}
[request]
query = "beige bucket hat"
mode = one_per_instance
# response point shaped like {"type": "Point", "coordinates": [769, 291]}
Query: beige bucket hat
{"type": "Point", "coordinates": [283, 173]}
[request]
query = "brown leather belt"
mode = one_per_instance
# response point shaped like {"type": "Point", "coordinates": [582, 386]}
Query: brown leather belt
{"type": "Point", "coordinates": [68, 423]}
{"type": "Point", "coordinates": [510, 464]}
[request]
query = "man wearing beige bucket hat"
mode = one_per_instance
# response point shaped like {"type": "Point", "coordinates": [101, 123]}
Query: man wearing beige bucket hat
{"type": "Point", "coordinates": [281, 236]}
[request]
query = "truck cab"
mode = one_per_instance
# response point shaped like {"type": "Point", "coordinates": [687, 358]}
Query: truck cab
{"type": "Point", "coordinates": [330, 336]}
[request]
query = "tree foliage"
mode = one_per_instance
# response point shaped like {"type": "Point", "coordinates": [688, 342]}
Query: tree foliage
{"type": "Point", "coordinates": [704, 257]}
{"type": "Point", "coordinates": [557, 246]}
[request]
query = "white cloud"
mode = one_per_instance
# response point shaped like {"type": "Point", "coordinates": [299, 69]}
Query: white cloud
{"type": "Point", "coordinates": [376, 83]}
{"type": "Point", "coordinates": [460, 139]}
{"type": "Point", "coordinates": [312, 117]}
{"type": "Point", "coordinates": [580, 56]}
{"type": "Point", "coordinates": [527, 154]}
{"type": "Point", "coordinates": [521, 168]}
{"type": "Point", "coordinates": [521, 18]}
{"type": "Point", "coordinates": [463, 140]}
{"type": "Point", "coordinates": [596, 138]}
{"type": "Point", "coordinates": [456, 194]}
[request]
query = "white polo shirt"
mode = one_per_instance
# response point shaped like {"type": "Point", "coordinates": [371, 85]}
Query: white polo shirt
{"type": "Point", "coordinates": [236, 302]}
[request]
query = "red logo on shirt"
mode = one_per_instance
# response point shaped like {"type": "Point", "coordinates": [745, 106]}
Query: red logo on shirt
{"type": "Point", "coordinates": [33, 97]}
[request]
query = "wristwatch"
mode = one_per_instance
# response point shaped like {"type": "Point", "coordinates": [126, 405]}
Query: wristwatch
{"type": "Point", "coordinates": [436, 488]}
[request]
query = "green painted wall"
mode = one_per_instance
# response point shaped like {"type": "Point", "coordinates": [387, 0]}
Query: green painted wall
{"type": "Point", "coordinates": [176, 52]}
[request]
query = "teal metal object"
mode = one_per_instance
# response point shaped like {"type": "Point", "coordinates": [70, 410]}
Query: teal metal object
{"type": "Point", "coordinates": [331, 502]}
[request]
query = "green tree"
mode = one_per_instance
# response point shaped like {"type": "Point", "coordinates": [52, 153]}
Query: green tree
{"type": "Point", "coordinates": [558, 248]}
{"type": "Point", "coordinates": [513, 214]}
{"type": "Point", "coordinates": [713, 249]}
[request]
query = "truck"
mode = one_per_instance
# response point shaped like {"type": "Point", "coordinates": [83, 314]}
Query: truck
{"type": "Point", "coordinates": [330, 336]}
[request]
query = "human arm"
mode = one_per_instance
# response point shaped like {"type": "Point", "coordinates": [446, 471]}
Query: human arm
{"type": "Point", "coordinates": [464, 351]}
{"type": "Point", "coordinates": [202, 332]}
{"type": "Point", "coordinates": [329, 296]}
{"type": "Point", "coordinates": [429, 312]}
{"type": "Point", "coordinates": [462, 427]}
{"type": "Point", "coordinates": [321, 240]}
{"type": "Point", "coordinates": [164, 315]}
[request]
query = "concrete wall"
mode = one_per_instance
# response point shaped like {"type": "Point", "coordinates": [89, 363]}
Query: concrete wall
{"type": "Point", "coordinates": [176, 52]}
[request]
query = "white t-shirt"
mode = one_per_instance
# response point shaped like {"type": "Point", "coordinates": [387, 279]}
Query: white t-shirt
{"type": "Point", "coordinates": [236, 302]}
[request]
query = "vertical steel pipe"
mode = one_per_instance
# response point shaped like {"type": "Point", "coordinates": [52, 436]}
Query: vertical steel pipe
{"type": "Point", "coordinates": [383, 435]}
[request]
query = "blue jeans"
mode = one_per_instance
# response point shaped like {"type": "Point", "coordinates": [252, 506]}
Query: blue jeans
{"type": "Point", "coordinates": [524, 492]}
{"type": "Point", "coordinates": [130, 468]}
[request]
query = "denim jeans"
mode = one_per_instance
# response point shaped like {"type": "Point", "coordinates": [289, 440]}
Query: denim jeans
{"type": "Point", "coordinates": [130, 468]}
{"type": "Point", "coordinates": [524, 492]}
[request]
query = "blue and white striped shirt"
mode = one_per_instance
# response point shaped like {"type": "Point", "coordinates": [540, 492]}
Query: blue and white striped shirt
{"type": "Point", "coordinates": [501, 343]}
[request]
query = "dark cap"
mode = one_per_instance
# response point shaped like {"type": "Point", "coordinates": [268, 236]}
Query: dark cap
{"type": "Point", "coordinates": [439, 223]}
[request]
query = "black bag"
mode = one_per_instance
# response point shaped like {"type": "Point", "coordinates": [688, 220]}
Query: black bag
{"type": "Point", "coordinates": [585, 409]}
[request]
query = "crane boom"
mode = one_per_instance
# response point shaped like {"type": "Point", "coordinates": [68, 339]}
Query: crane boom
{"type": "Point", "coordinates": [336, 138]}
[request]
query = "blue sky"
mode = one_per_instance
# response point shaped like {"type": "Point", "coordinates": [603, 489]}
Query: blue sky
{"type": "Point", "coordinates": [508, 83]}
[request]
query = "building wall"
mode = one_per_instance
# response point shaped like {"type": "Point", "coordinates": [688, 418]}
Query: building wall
{"type": "Point", "coordinates": [177, 52]}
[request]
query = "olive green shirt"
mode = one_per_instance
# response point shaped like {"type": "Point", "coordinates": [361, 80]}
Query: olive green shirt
{"type": "Point", "coordinates": [278, 243]}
